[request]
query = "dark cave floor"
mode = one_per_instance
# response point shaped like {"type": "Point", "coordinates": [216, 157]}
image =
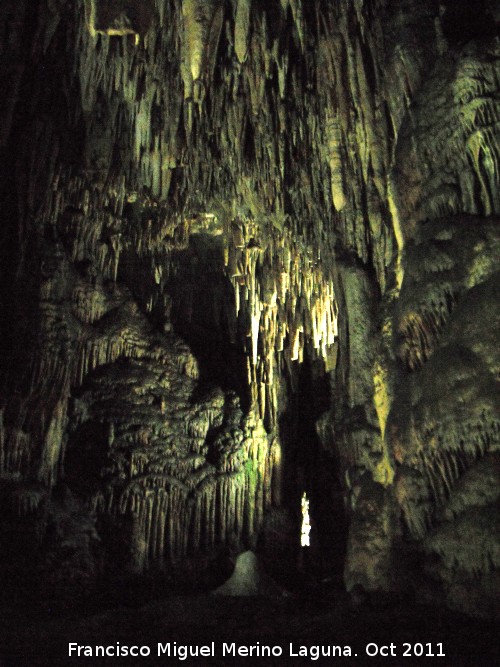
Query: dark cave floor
{"type": "Point", "coordinates": [42, 638]}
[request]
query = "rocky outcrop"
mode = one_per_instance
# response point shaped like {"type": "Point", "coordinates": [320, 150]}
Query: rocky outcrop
{"type": "Point", "coordinates": [250, 251]}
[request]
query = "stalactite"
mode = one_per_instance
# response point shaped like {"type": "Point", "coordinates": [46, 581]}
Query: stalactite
{"type": "Point", "coordinates": [167, 494]}
{"type": "Point", "coordinates": [326, 154]}
{"type": "Point", "coordinates": [284, 302]}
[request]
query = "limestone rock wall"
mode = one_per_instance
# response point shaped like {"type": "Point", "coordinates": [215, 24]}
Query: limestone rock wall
{"type": "Point", "coordinates": [203, 203]}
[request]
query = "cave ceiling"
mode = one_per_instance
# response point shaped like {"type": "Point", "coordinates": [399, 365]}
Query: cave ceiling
{"type": "Point", "coordinates": [251, 249]}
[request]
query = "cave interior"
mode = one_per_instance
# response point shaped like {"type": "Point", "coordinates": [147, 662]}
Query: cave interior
{"type": "Point", "coordinates": [250, 257]}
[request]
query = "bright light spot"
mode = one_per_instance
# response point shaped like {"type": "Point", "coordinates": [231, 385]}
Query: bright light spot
{"type": "Point", "coordinates": [305, 540]}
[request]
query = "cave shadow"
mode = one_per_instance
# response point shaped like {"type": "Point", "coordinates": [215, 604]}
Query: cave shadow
{"type": "Point", "coordinates": [312, 469]}
{"type": "Point", "coordinates": [203, 313]}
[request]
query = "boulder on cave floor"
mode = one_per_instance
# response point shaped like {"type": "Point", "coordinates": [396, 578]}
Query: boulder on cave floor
{"type": "Point", "coordinates": [248, 579]}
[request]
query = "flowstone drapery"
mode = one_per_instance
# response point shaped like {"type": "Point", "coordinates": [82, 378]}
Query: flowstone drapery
{"type": "Point", "coordinates": [250, 249]}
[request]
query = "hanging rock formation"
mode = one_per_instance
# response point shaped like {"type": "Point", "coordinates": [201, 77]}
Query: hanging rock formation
{"type": "Point", "coordinates": [251, 249]}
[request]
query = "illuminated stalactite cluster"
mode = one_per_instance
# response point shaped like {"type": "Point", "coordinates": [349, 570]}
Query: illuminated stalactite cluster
{"type": "Point", "coordinates": [186, 491]}
{"type": "Point", "coordinates": [333, 168]}
{"type": "Point", "coordinates": [157, 440]}
{"type": "Point", "coordinates": [290, 303]}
